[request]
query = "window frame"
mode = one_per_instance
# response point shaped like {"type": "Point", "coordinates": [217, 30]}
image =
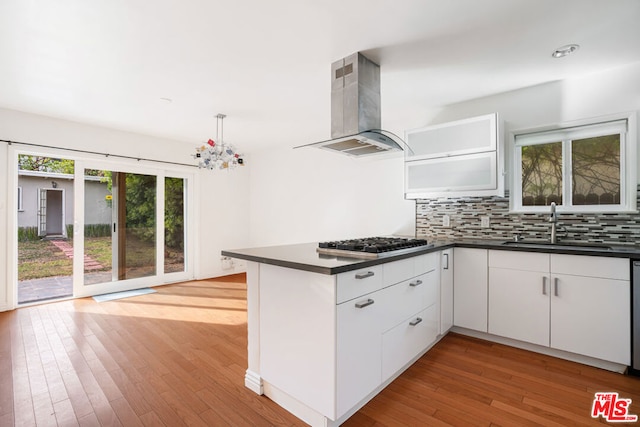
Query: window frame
{"type": "Point", "coordinates": [622, 124]}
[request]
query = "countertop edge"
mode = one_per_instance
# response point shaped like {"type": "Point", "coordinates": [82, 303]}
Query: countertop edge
{"type": "Point", "coordinates": [356, 265]}
{"type": "Point", "coordinates": [434, 247]}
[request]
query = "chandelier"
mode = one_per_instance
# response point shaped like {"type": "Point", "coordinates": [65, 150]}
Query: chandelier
{"type": "Point", "coordinates": [217, 154]}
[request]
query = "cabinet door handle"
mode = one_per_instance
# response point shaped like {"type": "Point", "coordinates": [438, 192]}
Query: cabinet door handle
{"type": "Point", "coordinates": [544, 285]}
{"type": "Point", "coordinates": [415, 321]}
{"type": "Point", "coordinates": [446, 261]}
{"type": "Point", "coordinates": [365, 275]}
{"type": "Point", "coordinates": [555, 286]}
{"type": "Point", "coordinates": [416, 283]}
{"type": "Point", "coordinates": [363, 304]}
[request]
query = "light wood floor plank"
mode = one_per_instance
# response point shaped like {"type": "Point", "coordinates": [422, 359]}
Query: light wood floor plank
{"type": "Point", "coordinates": [178, 357]}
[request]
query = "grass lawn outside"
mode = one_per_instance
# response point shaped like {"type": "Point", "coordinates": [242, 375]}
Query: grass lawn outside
{"type": "Point", "coordinates": [42, 258]}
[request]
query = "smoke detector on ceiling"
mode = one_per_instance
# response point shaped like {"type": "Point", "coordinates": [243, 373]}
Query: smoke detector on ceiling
{"type": "Point", "coordinates": [565, 50]}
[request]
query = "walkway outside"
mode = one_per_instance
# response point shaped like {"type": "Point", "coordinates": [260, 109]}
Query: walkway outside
{"type": "Point", "coordinates": [60, 286]}
{"type": "Point", "coordinates": [55, 287]}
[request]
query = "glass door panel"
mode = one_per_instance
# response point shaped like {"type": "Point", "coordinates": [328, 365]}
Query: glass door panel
{"type": "Point", "coordinates": [136, 225]}
{"type": "Point", "coordinates": [120, 226]}
{"type": "Point", "coordinates": [174, 230]}
{"type": "Point", "coordinates": [44, 220]}
{"type": "Point", "coordinates": [98, 229]}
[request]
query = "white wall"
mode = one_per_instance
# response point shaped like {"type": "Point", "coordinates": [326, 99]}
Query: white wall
{"type": "Point", "coordinates": [223, 199]}
{"type": "Point", "coordinates": [221, 194]}
{"type": "Point", "coordinates": [308, 194]}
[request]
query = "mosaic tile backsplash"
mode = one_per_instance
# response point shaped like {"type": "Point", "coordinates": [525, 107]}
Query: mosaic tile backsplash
{"type": "Point", "coordinates": [465, 216]}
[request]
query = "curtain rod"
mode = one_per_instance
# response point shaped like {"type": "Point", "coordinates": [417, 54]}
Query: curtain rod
{"type": "Point", "coordinates": [9, 142]}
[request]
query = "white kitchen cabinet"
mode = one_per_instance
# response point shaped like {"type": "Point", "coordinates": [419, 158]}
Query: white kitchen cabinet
{"type": "Point", "coordinates": [410, 321]}
{"type": "Point", "coordinates": [591, 316]}
{"type": "Point", "coordinates": [406, 340]}
{"type": "Point", "coordinates": [358, 345]}
{"type": "Point", "coordinates": [380, 332]}
{"type": "Point", "coordinates": [519, 287]}
{"type": "Point", "coordinates": [332, 341]}
{"type": "Point", "coordinates": [446, 290]}
{"type": "Point", "coordinates": [470, 273]}
{"type": "Point", "coordinates": [473, 172]}
{"type": "Point", "coordinates": [460, 158]}
{"type": "Point", "coordinates": [407, 298]}
{"type": "Point", "coordinates": [466, 136]}
{"type": "Point", "coordinates": [591, 299]}
{"type": "Point", "coordinates": [552, 300]}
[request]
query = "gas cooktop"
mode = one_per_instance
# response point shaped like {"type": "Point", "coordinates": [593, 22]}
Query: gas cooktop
{"type": "Point", "coordinates": [371, 247]}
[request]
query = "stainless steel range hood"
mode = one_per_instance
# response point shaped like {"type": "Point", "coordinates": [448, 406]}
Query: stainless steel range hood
{"type": "Point", "coordinates": [355, 110]}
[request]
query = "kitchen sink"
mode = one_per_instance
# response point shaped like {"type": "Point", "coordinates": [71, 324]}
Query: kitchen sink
{"type": "Point", "coordinates": [559, 246]}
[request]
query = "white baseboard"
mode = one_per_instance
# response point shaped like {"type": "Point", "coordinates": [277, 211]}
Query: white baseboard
{"type": "Point", "coordinates": [253, 382]}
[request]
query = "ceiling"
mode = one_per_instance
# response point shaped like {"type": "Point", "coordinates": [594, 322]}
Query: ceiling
{"type": "Point", "coordinates": [266, 64]}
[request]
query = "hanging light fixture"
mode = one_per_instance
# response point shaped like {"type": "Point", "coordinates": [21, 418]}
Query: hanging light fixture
{"type": "Point", "coordinates": [217, 154]}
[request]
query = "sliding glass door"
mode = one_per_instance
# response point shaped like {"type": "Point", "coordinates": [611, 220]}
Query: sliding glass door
{"type": "Point", "coordinates": [133, 228]}
{"type": "Point", "coordinates": [94, 226]}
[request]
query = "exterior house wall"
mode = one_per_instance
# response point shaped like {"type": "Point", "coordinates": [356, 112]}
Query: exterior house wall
{"type": "Point", "coordinates": [97, 209]}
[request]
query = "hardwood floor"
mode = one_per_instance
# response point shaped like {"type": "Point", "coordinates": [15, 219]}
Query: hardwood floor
{"type": "Point", "coordinates": [178, 356]}
{"type": "Point", "coordinates": [466, 381]}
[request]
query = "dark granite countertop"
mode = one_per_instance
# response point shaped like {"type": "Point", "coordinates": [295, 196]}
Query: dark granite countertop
{"type": "Point", "coordinates": [304, 256]}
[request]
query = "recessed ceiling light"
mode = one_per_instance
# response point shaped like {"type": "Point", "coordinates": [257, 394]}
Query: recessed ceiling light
{"type": "Point", "coordinates": [565, 50]}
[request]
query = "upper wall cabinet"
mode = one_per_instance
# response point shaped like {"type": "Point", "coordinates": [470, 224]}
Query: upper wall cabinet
{"type": "Point", "coordinates": [461, 158]}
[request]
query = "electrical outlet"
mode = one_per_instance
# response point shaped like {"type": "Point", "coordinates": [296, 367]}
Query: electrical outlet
{"type": "Point", "coordinates": [227, 263]}
{"type": "Point", "coordinates": [484, 221]}
{"type": "Point", "coordinates": [446, 221]}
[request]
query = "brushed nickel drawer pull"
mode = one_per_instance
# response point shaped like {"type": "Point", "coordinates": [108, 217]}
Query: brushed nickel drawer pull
{"type": "Point", "coordinates": [416, 283]}
{"type": "Point", "coordinates": [555, 286]}
{"type": "Point", "coordinates": [363, 304]}
{"type": "Point", "coordinates": [365, 275]}
{"type": "Point", "coordinates": [416, 321]}
{"type": "Point", "coordinates": [544, 285]}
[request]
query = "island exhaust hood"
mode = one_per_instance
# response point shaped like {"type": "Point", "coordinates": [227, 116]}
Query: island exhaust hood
{"type": "Point", "coordinates": [355, 110]}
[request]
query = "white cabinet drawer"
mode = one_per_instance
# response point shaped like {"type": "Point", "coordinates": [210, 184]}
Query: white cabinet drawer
{"type": "Point", "coordinates": [406, 298]}
{"type": "Point", "coordinates": [397, 271]}
{"type": "Point", "coordinates": [404, 342]}
{"type": "Point", "coordinates": [527, 261]}
{"type": "Point", "coordinates": [353, 284]}
{"type": "Point", "coordinates": [427, 263]}
{"type": "Point", "coordinates": [579, 265]}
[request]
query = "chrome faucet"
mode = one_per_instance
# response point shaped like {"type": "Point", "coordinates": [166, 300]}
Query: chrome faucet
{"type": "Point", "coordinates": [553, 219]}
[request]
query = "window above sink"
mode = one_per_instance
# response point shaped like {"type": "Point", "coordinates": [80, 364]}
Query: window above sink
{"type": "Point", "coordinates": [582, 167]}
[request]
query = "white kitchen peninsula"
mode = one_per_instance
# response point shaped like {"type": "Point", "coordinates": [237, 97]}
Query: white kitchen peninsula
{"type": "Point", "coordinates": [327, 333]}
